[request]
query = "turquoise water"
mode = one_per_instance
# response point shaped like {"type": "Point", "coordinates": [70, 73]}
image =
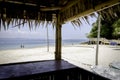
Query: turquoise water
{"type": "Point", "coordinates": [11, 43]}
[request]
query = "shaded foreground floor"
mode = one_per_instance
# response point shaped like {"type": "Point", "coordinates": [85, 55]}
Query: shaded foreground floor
{"type": "Point", "coordinates": [80, 55]}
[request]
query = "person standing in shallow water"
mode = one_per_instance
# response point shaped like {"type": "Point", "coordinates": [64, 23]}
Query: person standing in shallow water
{"type": "Point", "coordinates": [22, 46]}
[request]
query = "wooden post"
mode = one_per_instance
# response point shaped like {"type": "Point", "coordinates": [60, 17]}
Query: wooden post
{"type": "Point", "coordinates": [47, 40]}
{"type": "Point", "coordinates": [58, 39]}
{"type": "Point", "coordinates": [98, 37]}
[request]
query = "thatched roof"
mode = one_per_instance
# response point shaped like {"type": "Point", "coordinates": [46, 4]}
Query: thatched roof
{"type": "Point", "coordinates": [107, 14]}
{"type": "Point", "coordinates": [111, 13]}
{"type": "Point", "coordinates": [22, 11]}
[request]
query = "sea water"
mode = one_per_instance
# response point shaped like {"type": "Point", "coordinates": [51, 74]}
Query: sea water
{"type": "Point", "coordinates": [15, 43]}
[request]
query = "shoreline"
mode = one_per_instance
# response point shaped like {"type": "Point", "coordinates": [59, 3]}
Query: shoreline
{"type": "Point", "coordinates": [10, 43]}
{"type": "Point", "coordinates": [15, 48]}
{"type": "Point", "coordinates": [40, 46]}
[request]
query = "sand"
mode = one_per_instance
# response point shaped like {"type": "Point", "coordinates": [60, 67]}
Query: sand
{"type": "Point", "coordinates": [79, 55]}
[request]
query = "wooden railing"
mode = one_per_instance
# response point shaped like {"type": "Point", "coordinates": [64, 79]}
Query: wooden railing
{"type": "Point", "coordinates": [67, 74]}
{"type": "Point", "coordinates": [46, 70]}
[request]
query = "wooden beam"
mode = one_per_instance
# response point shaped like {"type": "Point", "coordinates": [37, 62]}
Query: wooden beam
{"type": "Point", "coordinates": [18, 2]}
{"type": "Point", "coordinates": [97, 8]}
{"type": "Point", "coordinates": [42, 8]}
{"type": "Point", "coordinates": [71, 3]}
{"type": "Point", "coordinates": [58, 39]}
{"type": "Point", "coordinates": [50, 8]}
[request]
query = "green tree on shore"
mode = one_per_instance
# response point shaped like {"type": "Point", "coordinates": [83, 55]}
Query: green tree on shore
{"type": "Point", "coordinates": [109, 30]}
{"type": "Point", "coordinates": [116, 32]}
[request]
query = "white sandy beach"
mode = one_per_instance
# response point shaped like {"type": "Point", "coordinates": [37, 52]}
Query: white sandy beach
{"type": "Point", "coordinates": [80, 55]}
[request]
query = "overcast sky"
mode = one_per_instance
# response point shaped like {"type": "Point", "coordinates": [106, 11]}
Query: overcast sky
{"type": "Point", "coordinates": [68, 31]}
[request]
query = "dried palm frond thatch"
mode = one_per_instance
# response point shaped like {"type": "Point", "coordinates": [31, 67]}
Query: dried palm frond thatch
{"type": "Point", "coordinates": [32, 14]}
{"type": "Point", "coordinates": [111, 13]}
{"type": "Point", "coordinates": [79, 7]}
{"type": "Point", "coordinates": [85, 19]}
{"type": "Point", "coordinates": [6, 21]}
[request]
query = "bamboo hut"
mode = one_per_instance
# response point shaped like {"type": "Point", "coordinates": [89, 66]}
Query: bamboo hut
{"type": "Point", "coordinates": [55, 12]}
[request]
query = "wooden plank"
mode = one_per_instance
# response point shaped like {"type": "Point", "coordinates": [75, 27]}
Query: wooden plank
{"type": "Point", "coordinates": [97, 8]}
{"type": "Point", "coordinates": [32, 68]}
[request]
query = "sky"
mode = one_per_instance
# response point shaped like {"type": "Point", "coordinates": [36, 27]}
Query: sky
{"type": "Point", "coordinates": [68, 31]}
